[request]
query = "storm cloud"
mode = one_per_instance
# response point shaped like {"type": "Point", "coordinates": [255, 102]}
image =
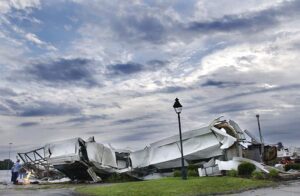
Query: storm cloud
{"type": "Point", "coordinates": [48, 109]}
{"type": "Point", "coordinates": [113, 69]}
{"type": "Point", "coordinates": [63, 71]}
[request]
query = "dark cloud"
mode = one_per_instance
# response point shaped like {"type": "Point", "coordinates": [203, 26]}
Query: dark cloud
{"type": "Point", "coordinates": [265, 90]}
{"type": "Point", "coordinates": [28, 124]}
{"type": "Point", "coordinates": [63, 71]}
{"type": "Point", "coordinates": [131, 120]}
{"type": "Point", "coordinates": [133, 137]}
{"type": "Point", "coordinates": [48, 109]}
{"type": "Point", "coordinates": [252, 22]}
{"type": "Point", "coordinates": [231, 107]}
{"type": "Point", "coordinates": [145, 27]}
{"type": "Point", "coordinates": [3, 110]}
{"type": "Point", "coordinates": [9, 105]}
{"type": "Point", "coordinates": [138, 136]}
{"type": "Point", "coordinates": [83, 119]}
{"type": "Point", "coordinates": [7, 92]}
{"type": "Point", "coordinates": [148, 28]}
{"type": "Point", "coordinates": [222, 84]}
{"type": "Point", "coordinates": [249, 22]}
{"type": "Point", "coordinates": [133, 68]}
{"type": "Point", "coordinates": [172, 89]}
{"type": "Point", "coordinates": [94, 132]}
{"type": "Point", "coordinates": [39, 108]}
{"type": "Point", "coordinates": [157, 64]}
{"type": "Point", "coordinates": [125, 68]}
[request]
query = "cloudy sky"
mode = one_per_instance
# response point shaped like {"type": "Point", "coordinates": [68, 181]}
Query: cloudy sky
{"type": "Point", "coordinates": [112, 69]}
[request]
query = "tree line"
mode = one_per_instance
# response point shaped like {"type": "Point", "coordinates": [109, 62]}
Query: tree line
{"type": "Point", "coordinates": [6, 164]}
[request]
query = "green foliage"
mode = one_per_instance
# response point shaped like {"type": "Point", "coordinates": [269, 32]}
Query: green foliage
{"type": "Point", "coordinates": [257, 175]}
{"type": "Point", "coordinates": [232, 173]}
{"type": "Point", "coordinates": [295, 166]}
{"type": "Point", "coordinates": [273, 174]}
{"type": "Point", "coordinates": [118, 178]}
{"type": "Point", "coordinates": [177, 173]}
{"type": "Point", "coordinates": [192, 173]}
{"type": "Point", "coordinates": [193, 167]}
{"type": "Point", "coordinates": [246, 169]}
{"type": "Point", "coordinates": [6, 164]}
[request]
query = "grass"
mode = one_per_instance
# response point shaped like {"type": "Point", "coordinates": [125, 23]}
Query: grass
{"type": "Point", "coordinates": [176, 186]}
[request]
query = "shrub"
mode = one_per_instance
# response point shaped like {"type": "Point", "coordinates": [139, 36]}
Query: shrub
{"type": "Point", "coordinates": [273, 174]}
{"type": "Point", "coordinates": [246, 169]}
{"type": "Point", "coordinates": [118, 178]}
{"type": "Point", "coordinates": [257, 175]}
{"type": "Point", "coordinates": [295, 166]}
{"type": "Point", "coordinates": [192, 173]}
{"type": "Point", "coordinates": [193, 167]}
{"type": "Point", "coordinates": [177, 173]}
{"type": "Point", "coordinates": [192, 170]}
{"type": "Point", "coordinates": [232, 173]}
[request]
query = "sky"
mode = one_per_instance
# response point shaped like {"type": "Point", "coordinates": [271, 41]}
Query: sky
{"type": "Point", "coordinates": [112, 69]}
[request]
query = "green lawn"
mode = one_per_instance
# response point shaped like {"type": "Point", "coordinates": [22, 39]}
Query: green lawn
{"type": "Point", "coordinates": [176, 186]}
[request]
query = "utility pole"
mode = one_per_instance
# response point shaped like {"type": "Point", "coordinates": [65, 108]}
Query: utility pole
{"type": "Point", "coordinates": [261, 139]}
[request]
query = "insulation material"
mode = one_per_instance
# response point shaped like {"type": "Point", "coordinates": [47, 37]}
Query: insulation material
{"type": "Point", "coordinates": [140, 158]}
{"type": "Point", "coordinates": [227, 165]}
{"type": "Point", "coordinates": [164, 154]}
{"type": "Point", "coordinates": [209, 171]}
{"type": "Point", "coordinates": [226, 140]}
{"type": "Point", "coordinates": [109, 157]}
{"type": "Point", "coordinates": [234, 163]}
{"type": "Point", "coordinates": [101, 154]}
{"type": "Point", "coordinates": [62, 148]}
{"type": "Point", "coordinates": [257, 164]}
{"type": "Point", "coordinates": [170, 164]}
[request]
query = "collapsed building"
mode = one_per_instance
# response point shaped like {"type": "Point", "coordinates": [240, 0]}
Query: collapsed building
{"type": "Point", "coordinates": [210, 148]}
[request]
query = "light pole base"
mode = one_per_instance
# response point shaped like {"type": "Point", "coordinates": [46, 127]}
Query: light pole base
{"type": "Point", "coordinates": [184, 173]}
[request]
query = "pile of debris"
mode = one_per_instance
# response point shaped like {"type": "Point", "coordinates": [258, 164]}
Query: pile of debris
{"type": "Point", "coordinates": [219, 146]}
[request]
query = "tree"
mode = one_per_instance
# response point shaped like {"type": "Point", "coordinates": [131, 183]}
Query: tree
{"type": "Point", "coordinates": [6, 164]}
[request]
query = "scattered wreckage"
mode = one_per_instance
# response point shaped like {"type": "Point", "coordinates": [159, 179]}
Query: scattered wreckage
{"type": "Point", "coordinates": [219, 146]}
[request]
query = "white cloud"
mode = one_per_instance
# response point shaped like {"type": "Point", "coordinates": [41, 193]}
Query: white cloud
{"type": "Point", "coordinates": [7, 5]}
{"type": "Point", "coordinates": [34, 39]}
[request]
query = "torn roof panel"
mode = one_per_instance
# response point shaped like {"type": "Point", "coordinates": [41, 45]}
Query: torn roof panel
{"type": "Point", "coordinates": [62, 148]}
{"type": "Point", "coordinates": [185, 135]}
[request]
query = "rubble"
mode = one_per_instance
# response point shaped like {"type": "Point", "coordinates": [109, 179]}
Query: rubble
{"type": "Point", "coordinates": [218, 146]}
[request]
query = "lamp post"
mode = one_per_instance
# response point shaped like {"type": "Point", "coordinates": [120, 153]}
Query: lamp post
{"type": "Point", "coordinates": [9, 147]}
{"type": "Point", "coordinates": [178, 108]}
{"type": "Point", "coordinates": [261, 139]}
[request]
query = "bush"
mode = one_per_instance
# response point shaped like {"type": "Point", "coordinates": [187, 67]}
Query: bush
{"type": "Point", "coordinates": [274, 174]}
{"type": "Point", "coordinates": [192, 173]}
{"type": "Point", "coordinates": [246, 169]}
{"type": "Point", "coordinates": [193, 167]}
{"type": "Point", "coordinates": [118, 178]}
{"type": "Point", "coordinates": [192, 170]}
{"type": "Point", "coordinates": [257, 175]}
{"type": "Point", "coordinates": [232, 173]}
{"type": "Point", "coordinates": [177, 173]}
{"type": "Point", "coordinates": [295, 166]}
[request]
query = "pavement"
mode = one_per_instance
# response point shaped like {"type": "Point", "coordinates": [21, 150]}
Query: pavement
{"type": "Point", "coordinates": [39, 192]}
{"type": "Point", "coordinates": [291, 188]}
{"type": "Point", "coordinates": [32, 190]}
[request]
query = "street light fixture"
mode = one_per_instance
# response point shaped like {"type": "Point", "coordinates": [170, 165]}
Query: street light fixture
{"type": "Point", "coordinates": [178, 108]}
